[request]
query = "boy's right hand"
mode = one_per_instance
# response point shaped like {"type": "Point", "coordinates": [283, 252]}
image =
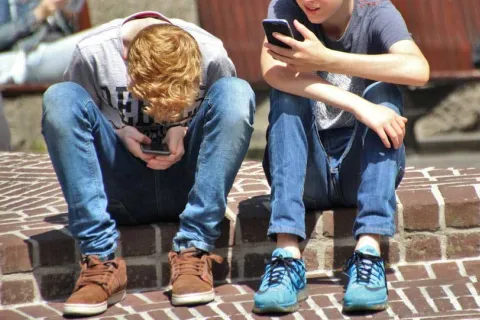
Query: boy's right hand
{"type": "Point", "coordinates": [132, 138]}
{"type": "Point", "coordinates": [47, 8]}
{"type": "Point", "coordinates": [385, 122]}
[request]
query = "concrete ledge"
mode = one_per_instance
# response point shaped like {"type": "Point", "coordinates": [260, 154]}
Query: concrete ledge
{"type": "Point", "coordinates": [438, 220]}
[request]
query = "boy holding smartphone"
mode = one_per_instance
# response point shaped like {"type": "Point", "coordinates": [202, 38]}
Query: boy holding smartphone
{"type": "Point", "coordinates": [335, 137]}
{"type": "Point", "coordinates": [181, 89]}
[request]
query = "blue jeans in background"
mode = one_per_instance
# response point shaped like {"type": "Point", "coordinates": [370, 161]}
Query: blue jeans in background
{"type": "Point", "coordinates": [345, 167]}
{"type": "Point", "coordinates": [46, 62]}
{"type": "Point", "coordinates": [4, 11]}
{"type": "Point", "coordinates": [103, 183]}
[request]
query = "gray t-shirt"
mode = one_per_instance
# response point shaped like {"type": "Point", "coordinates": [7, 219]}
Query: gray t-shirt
{"type": "Point", "coordinates": [374, 27]}
{"type": "Point", "coordinates": [98, 66]}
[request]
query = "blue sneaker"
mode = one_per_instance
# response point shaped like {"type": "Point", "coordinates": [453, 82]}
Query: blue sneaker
{"type": "Point", "coordinates": [284, 284]}
{"type": "Point", "coordinates": [367, 286]}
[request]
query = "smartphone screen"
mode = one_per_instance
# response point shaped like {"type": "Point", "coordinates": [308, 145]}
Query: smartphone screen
{"type": "Point", "coordinates": [158, 148]}
{"type": "Point", "coordinates": [277, 25]}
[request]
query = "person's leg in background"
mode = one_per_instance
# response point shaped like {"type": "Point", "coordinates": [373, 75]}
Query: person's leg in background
{"type": "Point", "coordinates": [47, 63]}
{"type": "Point", "coordinates": [215, 146]}
{"type": "Point", "coordinates": [4, 129]}
{"type": "Point", "coordinates": [377, 174]}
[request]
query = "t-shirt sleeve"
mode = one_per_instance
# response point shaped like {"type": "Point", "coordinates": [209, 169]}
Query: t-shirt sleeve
{"type": "Point", "coordinates": [387, 27]}
{"type": "Point", "coordinates": [81, 71]}
{"type": "Point", "coordinates": [221, 66]}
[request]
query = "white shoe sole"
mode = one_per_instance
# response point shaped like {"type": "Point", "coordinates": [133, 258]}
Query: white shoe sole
{"type": "Point", "coordinates": [193, 298]}
{"type": "Point", "coordinates": [302, 295]}
{"type": "Point", "coordinates": [85, 309]}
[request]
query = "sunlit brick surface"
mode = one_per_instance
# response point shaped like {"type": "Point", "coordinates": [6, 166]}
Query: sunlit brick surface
{"type": "Point", "coordinates": [438, 221]}
{"type": "Point", "coordinates": [428, 291]}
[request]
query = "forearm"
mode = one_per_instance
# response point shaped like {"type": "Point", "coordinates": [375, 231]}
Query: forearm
{"type": "Point", "coordinates": [397, 68]}
{"type": "Point", "coordinates": [313, 87]}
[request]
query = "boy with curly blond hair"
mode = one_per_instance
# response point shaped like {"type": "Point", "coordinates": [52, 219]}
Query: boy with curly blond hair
{"type": "Point", "coordinates": [141, 80]}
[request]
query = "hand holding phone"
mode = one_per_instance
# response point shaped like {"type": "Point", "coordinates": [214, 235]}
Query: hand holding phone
{"type": "Point", "coordinates": [277, 25]}
{"type": "Point", "coordinates": [156, 148]}
{"type": "Point", "coordinates": [307, 55]}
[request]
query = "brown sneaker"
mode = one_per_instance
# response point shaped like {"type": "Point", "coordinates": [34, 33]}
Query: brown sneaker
{"type": "Point", "coordinates": [100, 285]}
{"type": "Point", "coordinates": [192, 279]}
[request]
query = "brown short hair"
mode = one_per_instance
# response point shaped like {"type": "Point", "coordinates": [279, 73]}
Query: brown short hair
{"type": "Point", "coordinates": [164, 65]}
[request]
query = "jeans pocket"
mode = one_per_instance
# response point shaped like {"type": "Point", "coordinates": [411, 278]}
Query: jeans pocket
{"type": "Point", "coordinates": [120, 214]}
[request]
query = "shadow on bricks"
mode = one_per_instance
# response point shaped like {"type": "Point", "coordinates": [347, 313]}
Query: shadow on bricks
{"type": "Point", "coordinates": [54, 260]}
{"type": "Point", "coordinates": [328, 246]}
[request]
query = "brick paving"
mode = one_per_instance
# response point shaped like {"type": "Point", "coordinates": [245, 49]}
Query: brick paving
{"type": "Point", "coordinates": [434, 256]}
{"type": "Point", "coordinates": [448, 290]}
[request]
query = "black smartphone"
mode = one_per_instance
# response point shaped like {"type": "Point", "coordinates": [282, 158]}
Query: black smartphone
{"type": "Point", "coordinates": [158, 148]}
{"type": "Point", "coordinates": [277, 25]}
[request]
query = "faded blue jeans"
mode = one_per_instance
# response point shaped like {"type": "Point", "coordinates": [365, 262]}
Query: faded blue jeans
{"type": "Point", "coordinates": [345, 167]}
{"type": "Point", "coordinates": [104, 184]}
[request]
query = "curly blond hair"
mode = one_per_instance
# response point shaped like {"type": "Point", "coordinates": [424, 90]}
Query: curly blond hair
{"type": "Point", "coordinates": [164, 66]}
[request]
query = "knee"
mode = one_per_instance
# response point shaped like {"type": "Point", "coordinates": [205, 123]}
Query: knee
{"type": "Point", "coordinates": [60, 95]}
{"type": "Point", "coordinates": [386, 94]}
{"type": "Point", "coordinates": [283, 102]}
{"type": "Point", "coordinates": [234, 99]}
{"type": "Point", "coordinates": [60, 102]}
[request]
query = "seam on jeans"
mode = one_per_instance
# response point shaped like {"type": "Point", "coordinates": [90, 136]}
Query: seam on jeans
{"type": "Point", "coordinates": [102, 255]}
{"type": "Point", "coordinates": [329, 165]}
{"type": "Point", "coordinates": [91, 154]}
{"type": "Point", "coordinates": [318, 135]}
{"type": "Point", "coordinates": [200, 158]}
{"type": "Point", "coordinates": [92, 168]}
{"type": "Point", "coordinates": [370, 230]}
{"type": "Point", "coordinates": [200, 245]}
{"type": "Point", "coordinates": [193, 243]}
{"type": "Point", "coordinates": [349, 145]}
{"type": "Point", "coordinates": [279, 229]}
{"type": "Point", "coordinates": [356, 127]}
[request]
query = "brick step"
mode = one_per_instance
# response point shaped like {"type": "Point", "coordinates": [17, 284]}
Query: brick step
{"type": "Point", "coordinates": [446, 290]}
{"type": "Point", "coordinates": [438, 219]}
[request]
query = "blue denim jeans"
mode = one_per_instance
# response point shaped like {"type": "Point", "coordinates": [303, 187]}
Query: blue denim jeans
{"type": "Point", "coordinates": [345, 167]}
{"type": "Point", "coordinates": [104, 184]}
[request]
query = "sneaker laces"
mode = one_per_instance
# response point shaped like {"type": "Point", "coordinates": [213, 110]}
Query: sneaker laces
{"type": "Point", "coordinates": [95, 271]}
{"type": "Point", "coordinates": [365, 264]}
{"type": "Point", "coordinates": [278, 268]}
{"type": "Point", "coordinates": [191, 263]}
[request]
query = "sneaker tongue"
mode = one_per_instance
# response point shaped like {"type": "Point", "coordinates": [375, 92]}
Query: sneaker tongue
{"type": "Point", "coordinates": [93, 261]}
{"type": "Point", "coordinates": [282, 252]}
{"type": "Point", "coordinates": [191, 252]}
{"type": "Point", "coordinates": [369, 250]}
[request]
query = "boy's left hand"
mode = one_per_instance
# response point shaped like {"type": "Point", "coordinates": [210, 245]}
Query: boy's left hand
{"type": "Point", "coordinates": [307, 56]}
{"type": "Point", "coordinates": [174, 140]}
